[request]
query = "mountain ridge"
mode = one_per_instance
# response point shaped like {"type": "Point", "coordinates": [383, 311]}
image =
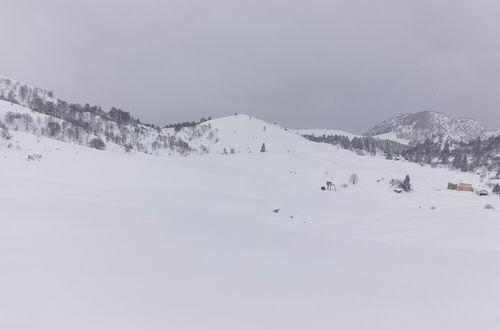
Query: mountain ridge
{"type": "Point", "coordinates": [432, 125]}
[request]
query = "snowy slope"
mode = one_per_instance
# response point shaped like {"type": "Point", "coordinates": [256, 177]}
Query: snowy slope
{"type": "Point", "coordinates": [246, 134]}
{"type": "Point", "coordinates": [22, 93]}
{"type": "Point", "coordinates": [430, 125]}
{"type": "Point", "coordinates": [93, 239]}
{"type": "Point", "coordinates": [393, 137]}
{"type": "Point", "coordinates": [241, 134]}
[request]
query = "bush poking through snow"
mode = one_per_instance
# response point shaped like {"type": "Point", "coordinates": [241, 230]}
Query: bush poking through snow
{"type": "Point", "coordinates": [404, 185]}
{"type": "Point", "coordinates": [128, 147]}
{"type": "Point", "coordinates": [53, 128]}
{"type": "Point", "coordinates": [489, 207]}
{"type": "Point", "coordinates": [34, 157]}
{"type": "Point", "coordinates": [97, 143]}
{"type": "Point", "coordinates": [396, 183]}
{"type": "Point", "coordinates": [354, 179]}
{"type": "Point", "coordinates": [5, 134]}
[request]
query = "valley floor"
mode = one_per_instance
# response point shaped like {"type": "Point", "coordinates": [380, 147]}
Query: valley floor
{"type": "Point", "coordinates": [104, 240]}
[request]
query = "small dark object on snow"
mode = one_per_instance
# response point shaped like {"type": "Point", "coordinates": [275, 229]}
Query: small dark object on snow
{"type": "Point", "coordinates": [398, 191]}
{"type": "Point", "coordinates": [276, 211]}
{"type": "Point", "coordinates": [433, 207]}
{"type": "Point", "coordinates": [489, 207]}
{"type": "Point", "coordinates": [329, 185]}
{"type": "Point", "coordinates": [323, 188]}
{"type": "Point", "coordinates": [482, 192]}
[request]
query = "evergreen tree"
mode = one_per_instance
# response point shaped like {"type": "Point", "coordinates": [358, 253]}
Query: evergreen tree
{"type": "Point", "coordinates": [496, 189]}
{"type": "Point", "coordinates": [357, 143]}
{"type": "Point", "coordinates": [445, 153]}
{"type": "Point", "coordinates": [387, 151]}
{"type": "Point", "coordinates": [263, 147]}
{"type": "Point", "coordinates": [406, 186]}
{"type": "Point", "coordinates": [428, 158]}
{"type": "Point", "coordinates": [457, 161]}
{"type": "Point", "coordinates": [465, 164]}
{"type": "Point", "coordinates": [476, 146]}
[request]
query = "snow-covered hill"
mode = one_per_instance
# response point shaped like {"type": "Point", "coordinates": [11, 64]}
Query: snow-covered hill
{"type": "Point", "coordinates": [125, 238]}
{"type": "Point", "coordinates": [435, 126]}
{"type": "Point", "coordinates": [23, 94]}
{"type": "Point", "coordinates": [232, 134]}
{"type": "Point", "coordinates": [111, 240]}
{"type": "Point", "coordinates": [37, 111]}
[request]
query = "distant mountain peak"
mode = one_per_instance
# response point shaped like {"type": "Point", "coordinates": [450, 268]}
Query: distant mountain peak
{"type": "Point", "coordinates": [436, 126]}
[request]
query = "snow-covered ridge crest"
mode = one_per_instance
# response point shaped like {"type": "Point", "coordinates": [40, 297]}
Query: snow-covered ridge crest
{"type": "Point", "coordinates": [23, 94]}
{"type": "Point", "coordinates": [233, 134]}
{"type": "Point", "coordinates": [36, 111]}
{"type": "Point", "coordinates": [436, 126]}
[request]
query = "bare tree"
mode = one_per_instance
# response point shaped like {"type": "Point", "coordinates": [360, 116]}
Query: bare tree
{"type": "Point", "coordinates": [27, 120]}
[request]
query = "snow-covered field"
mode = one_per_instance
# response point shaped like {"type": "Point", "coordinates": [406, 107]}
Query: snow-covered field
{"type": "Point", "coordinates": [105, 240]}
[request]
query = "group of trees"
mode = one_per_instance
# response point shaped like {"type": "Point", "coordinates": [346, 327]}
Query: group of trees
{"type": "Point", "coordinates": [496, 189]}
{"type": "Point", "coordinates": [405, 184]}
{"type": "Point", "coordinates": [465, 156]}
{"type": "Point", "coordinates": [90, 125]}
{"type": "Point", "coordinates": [178, 126]}
{"type": "Point", "coordinates": [364, 144]}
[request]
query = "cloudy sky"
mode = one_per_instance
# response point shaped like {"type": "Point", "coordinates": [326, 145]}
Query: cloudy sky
{"type": "Point", "coordinates": [343, 64]}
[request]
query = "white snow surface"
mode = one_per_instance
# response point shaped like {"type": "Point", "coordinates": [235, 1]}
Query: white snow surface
{"type": "Point", "coordinates": [106, 240]}
{"type": "Point", "coordinates": [392, 137]}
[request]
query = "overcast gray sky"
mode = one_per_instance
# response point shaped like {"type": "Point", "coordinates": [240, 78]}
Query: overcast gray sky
{"type": "Point", "coordinates": [342, 64]}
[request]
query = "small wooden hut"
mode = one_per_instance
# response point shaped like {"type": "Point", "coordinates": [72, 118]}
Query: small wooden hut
{"type": "Point", "coordinates": [465, 187]}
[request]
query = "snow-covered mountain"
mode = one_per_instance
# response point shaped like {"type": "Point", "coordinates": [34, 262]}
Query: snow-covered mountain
{"type": "Point", "coordinates": [118, 239]}
{"type": "Point", "coordinates": [436, 126]}
{"type": "Point", "coordinates": [101, 240]}
{"type": "Point", "coordinates": [38, 112]}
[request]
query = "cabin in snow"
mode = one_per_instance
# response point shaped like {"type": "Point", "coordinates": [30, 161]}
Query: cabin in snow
{"type": "Point", "coordinates": [465, 187]}
{"type": "Point", "coordinates": [460, 187]}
